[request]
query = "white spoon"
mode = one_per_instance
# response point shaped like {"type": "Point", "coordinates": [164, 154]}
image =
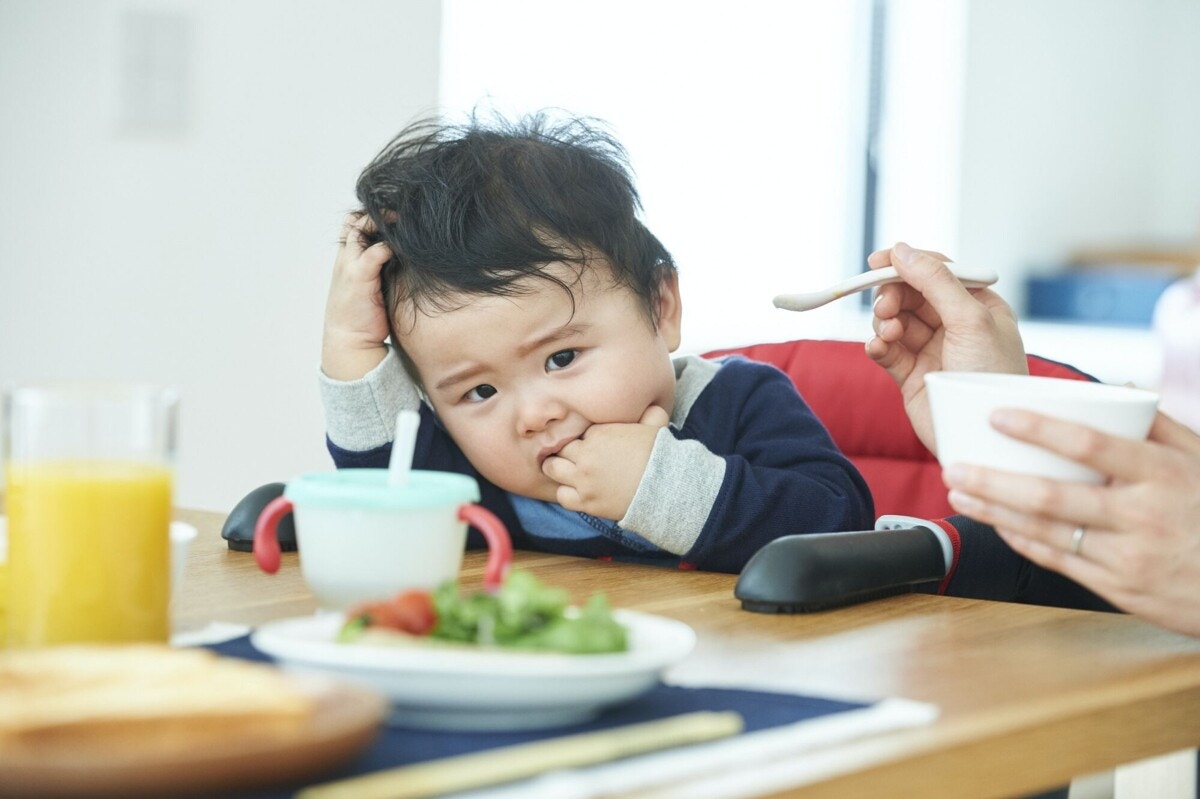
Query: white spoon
{"type": "Point", "coordinates": [973, 277]}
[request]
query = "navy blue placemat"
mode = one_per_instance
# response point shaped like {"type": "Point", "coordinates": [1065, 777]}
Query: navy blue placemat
{"type": "Point", "coordinates": [398, 746]}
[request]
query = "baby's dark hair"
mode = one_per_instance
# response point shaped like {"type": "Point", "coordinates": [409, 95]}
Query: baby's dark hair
{"type": "Point", "coordinates": [476, 207]}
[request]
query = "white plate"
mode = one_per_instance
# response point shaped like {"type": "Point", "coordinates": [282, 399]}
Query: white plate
{"type": "Point", "coordinates": [448, 687]}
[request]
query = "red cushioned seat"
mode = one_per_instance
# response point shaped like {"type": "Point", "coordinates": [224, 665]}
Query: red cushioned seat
{"type": "Point", "coordinates": [861, 407]}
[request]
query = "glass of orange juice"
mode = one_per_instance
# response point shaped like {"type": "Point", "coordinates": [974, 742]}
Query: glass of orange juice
{"type": "Point", "coordinates": [88, 473]}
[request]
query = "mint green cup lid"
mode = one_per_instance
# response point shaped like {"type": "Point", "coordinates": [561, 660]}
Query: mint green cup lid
{"type": "Point", "coordinates": [368, 489]}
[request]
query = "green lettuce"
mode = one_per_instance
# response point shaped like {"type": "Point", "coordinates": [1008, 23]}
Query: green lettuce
{"type": "Point", "coordinates": [525, 614]}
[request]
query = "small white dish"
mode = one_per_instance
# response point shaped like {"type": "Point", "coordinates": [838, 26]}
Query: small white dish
{"type": "Point", "coordinates": [182, 536]}
{"type": "Point", "coordinates": [971, 277]}
{"type": "Point", "coordinates": [453, 687]}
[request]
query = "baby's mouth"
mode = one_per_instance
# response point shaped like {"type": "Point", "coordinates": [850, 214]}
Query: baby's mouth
{"type": "Point", "coordinates": [552, 450]}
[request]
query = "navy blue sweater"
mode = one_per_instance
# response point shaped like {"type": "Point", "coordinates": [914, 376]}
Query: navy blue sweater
{"type": "Point", "coordinates": [783, 473]}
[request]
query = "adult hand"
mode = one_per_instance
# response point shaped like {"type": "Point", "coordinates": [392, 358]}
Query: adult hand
{"type": "Point", "coordinates": [1134, 541]}
{"type": "Point", "coordinates": [356, 323]}
{"type": "Point", "coordinates": [931, 322]}
{"type": "Point", "coordinates": [599, 472]}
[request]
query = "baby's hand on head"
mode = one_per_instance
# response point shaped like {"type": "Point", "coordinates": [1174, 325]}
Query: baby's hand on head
{"type": "Point", "coordinates": [600, 472]}
{"type": "Point", "coordinates": [356, 323]}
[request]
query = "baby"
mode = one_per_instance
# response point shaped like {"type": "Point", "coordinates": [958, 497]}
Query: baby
{"type": "Point", "coordinates": [531, 319]}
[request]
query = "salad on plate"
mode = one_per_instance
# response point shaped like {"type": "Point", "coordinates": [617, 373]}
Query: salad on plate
{"type": "Point", "coordinates": [523, 615]}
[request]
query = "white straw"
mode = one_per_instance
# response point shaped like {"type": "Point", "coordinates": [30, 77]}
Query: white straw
{"type": "Point", "coordinates": [403, 444]}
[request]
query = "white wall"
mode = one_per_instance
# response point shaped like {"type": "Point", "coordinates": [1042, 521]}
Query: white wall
{"type": "Point", "coordinates": [742, 128]}
{"type": "Point", "coordinates": [197, 252]}
{"type": "Point", "coordinates": [1079, 129]}
{"type": "Point", "coordinates": [1018, 131]}
{"type": "Point", "coordinates": [920, 138]}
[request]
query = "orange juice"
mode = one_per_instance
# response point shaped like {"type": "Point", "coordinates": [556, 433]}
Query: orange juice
{"type": "Point", "coordinates": [88, 551]}
{"type": "Point", "coordinates": [3, 595]}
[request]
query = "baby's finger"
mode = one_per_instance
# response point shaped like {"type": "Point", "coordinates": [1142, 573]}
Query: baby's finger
{"type": "Point", "coordinates": [654, 416]}
{"type": "Point", "coordinates": [375, 256]}
{"type": "Point", "coordinates": [569, 498]}
{"type": "Point", "coordinates": [353, 227]}
{"type": "Point", "coordinates": [558, 469]}
{"type": "Point", "coordinates": [350, 241]}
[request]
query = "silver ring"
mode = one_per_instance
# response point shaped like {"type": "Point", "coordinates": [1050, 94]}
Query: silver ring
{"type": "Point", "coordinates": [1077, 539]}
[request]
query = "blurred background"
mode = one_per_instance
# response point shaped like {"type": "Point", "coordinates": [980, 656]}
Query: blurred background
{"type": "Point", "coordinates": [173, 174]}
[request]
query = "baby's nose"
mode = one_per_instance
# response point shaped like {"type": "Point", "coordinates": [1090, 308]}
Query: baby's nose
{"type": "Point", "coordinates": [539, 409]}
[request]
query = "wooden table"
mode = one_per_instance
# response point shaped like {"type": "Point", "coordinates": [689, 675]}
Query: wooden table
{"type": "Point", "coordinates": [1030, 696]}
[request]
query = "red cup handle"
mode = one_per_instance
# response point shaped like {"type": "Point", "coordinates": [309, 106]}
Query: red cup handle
{"type": "Point", "coordinates": [496, 535]}
{"type": "Point", "coordinates": [266, 538]}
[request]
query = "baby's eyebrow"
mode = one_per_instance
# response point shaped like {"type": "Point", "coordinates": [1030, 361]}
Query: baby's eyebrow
{"type": "Point", "coordinates": [558, 334]}
{"type": "Point", "coordinates": [457, 377]}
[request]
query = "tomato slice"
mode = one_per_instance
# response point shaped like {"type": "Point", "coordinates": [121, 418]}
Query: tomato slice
{"type": "Point", "coordinates": [411, 612]}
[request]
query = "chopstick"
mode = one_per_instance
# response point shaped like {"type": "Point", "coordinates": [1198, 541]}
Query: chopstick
{"type": "Point", "coordinates": [508, 763]}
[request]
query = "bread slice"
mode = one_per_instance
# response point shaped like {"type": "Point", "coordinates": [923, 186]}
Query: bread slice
{"type": "Point", "coordinates": [162, 697]}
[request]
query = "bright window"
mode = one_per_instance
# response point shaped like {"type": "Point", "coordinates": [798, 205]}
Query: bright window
{"type": "Point", "coordinates": [920, 126]}
{"type": "Point", "coordinates": [744, 122]}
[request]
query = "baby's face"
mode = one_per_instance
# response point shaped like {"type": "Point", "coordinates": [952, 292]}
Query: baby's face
{"type": "Point", "coordinates": [514, 379]}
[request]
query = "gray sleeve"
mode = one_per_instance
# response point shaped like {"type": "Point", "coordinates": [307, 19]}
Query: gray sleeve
{"type": "Point", "coordinates": [361, 414]}
{"type": "Point", "coordinates": [676, 495]}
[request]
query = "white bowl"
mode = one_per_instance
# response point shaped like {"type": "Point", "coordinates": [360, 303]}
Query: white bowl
{"type": "Point", "coordinates": [182, 535]}
{"type": "Point", "coordinates": [962, 402]}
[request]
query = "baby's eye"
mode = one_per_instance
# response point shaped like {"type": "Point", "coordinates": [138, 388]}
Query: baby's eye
{"type": "Point", "coordinates": [560, 360]}
{"type": "Point", "coordinates": [480, 393]}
